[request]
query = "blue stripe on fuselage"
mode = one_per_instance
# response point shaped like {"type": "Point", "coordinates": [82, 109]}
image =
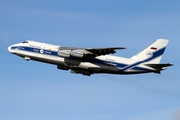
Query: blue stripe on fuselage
{"type": "Point", "coordinates": [36, 50]}
{"type": "Point", "coordinates": [117, 64]}
{"type": "Point", "coordinates": [155, 55]}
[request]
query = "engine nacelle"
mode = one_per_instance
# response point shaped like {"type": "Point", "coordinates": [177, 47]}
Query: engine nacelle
{"type": "Point", "coordinates": [64, 53]}
{"type": "Point", "coordinates": [69, 53]}
{"type": "Point", "coordinates": [77, 53]}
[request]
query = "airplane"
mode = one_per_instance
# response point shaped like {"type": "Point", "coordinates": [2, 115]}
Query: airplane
{"type": "Point", "coordinates": [88, 61]}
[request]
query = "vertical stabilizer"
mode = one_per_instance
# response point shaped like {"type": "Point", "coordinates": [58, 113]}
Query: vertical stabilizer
{"type": "Point", "coordinates": [152, 53]}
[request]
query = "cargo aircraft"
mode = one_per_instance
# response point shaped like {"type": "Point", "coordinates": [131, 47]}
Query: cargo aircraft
{"type": "Point", "coordinates": [89, 61]}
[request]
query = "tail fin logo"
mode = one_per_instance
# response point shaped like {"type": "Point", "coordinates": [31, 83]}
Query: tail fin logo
{"type": "Point", "coordinates": [149, 54]}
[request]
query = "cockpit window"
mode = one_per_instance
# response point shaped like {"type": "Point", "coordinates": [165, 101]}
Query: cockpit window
{"type": "Point", "coordinates": [25, 41]}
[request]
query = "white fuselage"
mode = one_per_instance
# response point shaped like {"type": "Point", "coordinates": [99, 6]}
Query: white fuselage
{"type": "Point", "coordinates": [48, 53]}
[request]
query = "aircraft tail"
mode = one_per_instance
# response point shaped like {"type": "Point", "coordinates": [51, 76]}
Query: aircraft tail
{"type": "Point", "coordinates": [152, 53]}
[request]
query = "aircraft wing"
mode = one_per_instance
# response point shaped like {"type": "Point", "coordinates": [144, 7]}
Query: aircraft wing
{"type": "Point", "coordinates": [93, 52]}
{"type": "Point", "coordinates": [103, 51]}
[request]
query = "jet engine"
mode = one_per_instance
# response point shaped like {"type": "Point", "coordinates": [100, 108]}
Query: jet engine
{"type": "Point", "coordinates": [71, 53]}
{"type": "Point", "coordinates": [77, 53]}
{"type": "Point", "coordinates": [64, 53]}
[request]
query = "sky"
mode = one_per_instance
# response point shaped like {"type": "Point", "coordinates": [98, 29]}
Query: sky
{"type": "Point", "coordinates": [34, 90]}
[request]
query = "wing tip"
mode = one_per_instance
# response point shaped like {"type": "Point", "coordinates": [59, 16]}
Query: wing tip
{"type": "Point", "coordinates": [121, 48]}
{"type": "Point", "coordinates": [170, 64]}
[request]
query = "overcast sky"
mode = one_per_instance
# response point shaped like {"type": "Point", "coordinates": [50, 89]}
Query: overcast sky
{"type": "Point", "coordinates": [38, 91]}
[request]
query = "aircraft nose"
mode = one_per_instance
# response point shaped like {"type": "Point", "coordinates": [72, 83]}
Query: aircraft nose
{"type": "Point", "coordinates": [9, 48]}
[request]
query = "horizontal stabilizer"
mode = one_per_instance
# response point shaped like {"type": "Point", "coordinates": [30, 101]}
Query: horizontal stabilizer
{"type": "Point", "coordinates": [159, 66]}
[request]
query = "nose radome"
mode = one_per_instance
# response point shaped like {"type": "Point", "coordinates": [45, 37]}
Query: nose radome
{"type": "Point", "coordinates": [9, 48]}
